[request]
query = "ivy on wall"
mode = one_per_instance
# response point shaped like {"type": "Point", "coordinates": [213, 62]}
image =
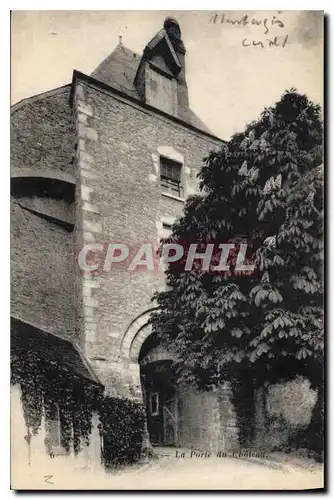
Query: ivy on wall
{"type": "Point", "coordinates": [43, 384]}
{"type": "Point", "coordinates": [122, 421]}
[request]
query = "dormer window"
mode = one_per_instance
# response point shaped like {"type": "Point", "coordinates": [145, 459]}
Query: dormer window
{"type": "Point", "coordinates": [170, 177]}
{"type": "Point", "coordinates": [160, 91]}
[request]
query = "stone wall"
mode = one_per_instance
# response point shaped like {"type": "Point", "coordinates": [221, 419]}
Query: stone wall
{"type": "Point", "coordinates": [207, 420]}
{"type": "Point", "coordinates": [42, 259]}
{"type": "Point", "coordinates": [31, 465]}
{"type": "Point", "coordinates": [42, 272]}
{"type": "Point", "coordinates": [42, 133]}
{"type": "Point", "coordinates": [283, 413]}
{"type": "Point", "coordinates": [119, 200]}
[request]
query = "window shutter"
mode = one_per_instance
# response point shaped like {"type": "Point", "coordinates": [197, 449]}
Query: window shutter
{"type": "Point", "coordinates": [170, 176]}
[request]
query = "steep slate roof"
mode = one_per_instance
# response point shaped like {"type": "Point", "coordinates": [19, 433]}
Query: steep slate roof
{"type": "Point", "coordinates": [119, 70]}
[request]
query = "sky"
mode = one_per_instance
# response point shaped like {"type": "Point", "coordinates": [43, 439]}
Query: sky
{"type": "Point", "coordinates": [232, 71]}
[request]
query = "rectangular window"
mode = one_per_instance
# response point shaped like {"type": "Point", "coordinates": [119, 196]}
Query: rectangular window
{"type": "Point", "coordinates": [166, 230]}
{"type": "Point", "coordinates": [154, 403]}
{"type": "Point", "coordinates": [54, 426]}
{"type": "Point", "coordinates": [54, 423]}
{"type": "Point", "coordinates": [170, 176]}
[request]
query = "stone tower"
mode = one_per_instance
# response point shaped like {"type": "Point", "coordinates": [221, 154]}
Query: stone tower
{"type": "Point", "coordinates": [132, 122]}
{"type": "Point", "coordinates": [118, 153]}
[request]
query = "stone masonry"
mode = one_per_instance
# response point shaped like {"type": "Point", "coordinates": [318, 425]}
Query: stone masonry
{"type": "Point", "coordinates": [120, 200]}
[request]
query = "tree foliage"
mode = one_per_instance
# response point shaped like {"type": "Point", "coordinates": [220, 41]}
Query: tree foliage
{"type": "Point", "coordinates": [264, 188]}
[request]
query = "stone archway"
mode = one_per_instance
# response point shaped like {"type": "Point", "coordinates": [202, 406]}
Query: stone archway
{"type": "Point", "coordinates": [157, 354]}
{"type": "Point", "coordinates": [204, 419]}
{"type": "Point", "coordinates": [135, 335]}
{"type": "Point", "coordinates": [135, 339]}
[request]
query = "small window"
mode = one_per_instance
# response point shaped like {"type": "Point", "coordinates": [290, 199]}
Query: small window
{"type": "Point", "coordinates": [170, 176]}
{"type": "Point", "coordinates": [54, 425]}
{"type": "Point", "coordinates": [154, 403]}
{"type": "Point", "coordinates": [166, 231]}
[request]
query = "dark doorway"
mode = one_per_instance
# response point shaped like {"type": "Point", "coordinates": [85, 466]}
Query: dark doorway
{"type": "Point", "coordinates": [160, 396]}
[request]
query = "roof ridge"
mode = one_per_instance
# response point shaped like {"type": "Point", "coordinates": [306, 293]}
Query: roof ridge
{"type": "Point", "coordinates": [43, 95]}
{"type": "Point", "coordinates": [110, 87]}
{"type": "Point", "coordinates": [119, 69]}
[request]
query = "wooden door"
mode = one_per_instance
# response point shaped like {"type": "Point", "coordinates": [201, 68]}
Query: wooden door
{"type": "Point", "coordinates": [170, 419]}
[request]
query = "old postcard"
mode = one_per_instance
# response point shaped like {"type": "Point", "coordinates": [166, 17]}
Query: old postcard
{"type": "Point", "coordinates": [167, 250]}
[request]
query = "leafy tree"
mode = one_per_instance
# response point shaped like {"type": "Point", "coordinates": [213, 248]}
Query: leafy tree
{"type": "Point", "coordinates": [264, 188]}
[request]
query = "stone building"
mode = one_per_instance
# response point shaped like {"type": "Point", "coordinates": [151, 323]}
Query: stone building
{"type": "Point", "coordinates": [110, 158]}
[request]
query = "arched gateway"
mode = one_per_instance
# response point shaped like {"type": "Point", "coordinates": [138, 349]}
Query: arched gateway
{"type": "Point", "coordinates": [176, 414]}
{"type": "Point", "coordinates": [136, 333]}
{"type": "Point", "coordinates": [153, 364]}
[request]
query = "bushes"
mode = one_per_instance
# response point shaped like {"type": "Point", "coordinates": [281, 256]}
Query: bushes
{"type": "Point", "coordinates": [122, 423]}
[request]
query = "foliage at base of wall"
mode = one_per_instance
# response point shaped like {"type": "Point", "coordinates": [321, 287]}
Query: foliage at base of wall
{"type": "Point", "coordinates": [243, 402]}
{"type": "Point", "coordinates": [44, 383]}
{"type": "Point", "coordinates": [289, 407]}
{"type": "Point", "coordinates": [122, 423]}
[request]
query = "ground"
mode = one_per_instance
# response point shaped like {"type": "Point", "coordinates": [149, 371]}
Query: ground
{"type": "Point", "coordinates": [278, 471]}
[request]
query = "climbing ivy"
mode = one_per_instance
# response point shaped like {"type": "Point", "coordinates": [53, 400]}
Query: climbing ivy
{"type": "Point", "coordinates": [44, 382]}
{"type": "Point", "coordinates": [122, 422]}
